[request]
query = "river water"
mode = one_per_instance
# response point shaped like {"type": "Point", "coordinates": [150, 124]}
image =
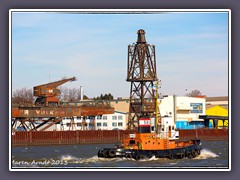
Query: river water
{"type": "Point", "coordinates": [214, 155]}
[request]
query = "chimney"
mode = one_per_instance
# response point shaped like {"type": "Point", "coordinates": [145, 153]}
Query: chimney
{"type": "Point", "coordinates": [81, 93]}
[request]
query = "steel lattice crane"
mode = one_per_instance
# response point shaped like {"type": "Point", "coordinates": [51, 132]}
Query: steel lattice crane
{"type": "Point", "coordinates": [142, 74]}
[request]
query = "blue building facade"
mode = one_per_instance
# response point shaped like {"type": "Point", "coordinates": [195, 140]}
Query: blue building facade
{"type": "Point", "coordinates": [190, 125]}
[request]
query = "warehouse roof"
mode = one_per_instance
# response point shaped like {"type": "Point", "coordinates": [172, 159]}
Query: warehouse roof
{"type": "Point", "coordinates": [219, 98]}
{"type": "Point", "coordinates": [221, 105]}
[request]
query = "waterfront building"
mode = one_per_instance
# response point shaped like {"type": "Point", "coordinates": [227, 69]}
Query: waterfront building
{"type": "Point", "coordinates": [218, 110]}
{"type": "Point", "coordinates": [217, 106]}
{"type": "Point", "coordinates": [185, 110]}
{"type": "Point", "coordinates": [116, 121]}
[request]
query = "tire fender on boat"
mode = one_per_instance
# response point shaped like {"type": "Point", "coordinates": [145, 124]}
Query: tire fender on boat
{"type": "Point", "coordinates": [129, 156]}
{"type": "Point", "coordinates": [100, 154]}
{"type": "Point", "coordinates": [194, 153]}
{"type": "Point", "coordinates": [189, 154]}
{"type": "Point", "coordinates": [198, 151]}
{"type": "Point", "coordinates": [138, 157]}
{"type": "Point", "coordinates": [181, 156]}
{"type": "Point", "coordinates": [111, 153]}
{"type": "Point", "coordinates": [171, 156]}
{"type": "Point", "coordinates": [105, 154]}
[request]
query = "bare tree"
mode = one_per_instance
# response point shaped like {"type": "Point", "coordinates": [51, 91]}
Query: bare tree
{"type": "Point", "coordinates": [70, 94]}
{"type": "Point", "coordinates": [22, 96]}
{"type": "Point", "coordinates": [73, 95]}
{"type": "Point", "coordinates": [63, 96]}
{"type": "Point", "coordinates": [194, 93]}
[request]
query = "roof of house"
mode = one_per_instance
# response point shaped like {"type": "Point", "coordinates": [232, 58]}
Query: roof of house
{"type": "Point", "coordinates": [119, 112]}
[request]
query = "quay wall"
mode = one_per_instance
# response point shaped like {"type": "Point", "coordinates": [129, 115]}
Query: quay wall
{"type": "Point", "coordinates": [40, 138]}
{"type": "Point", "coordinates": [204, 134]}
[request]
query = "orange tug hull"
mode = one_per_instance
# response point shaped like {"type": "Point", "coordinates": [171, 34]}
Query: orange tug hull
{"type": "Point", "coordinates": [147, 145]}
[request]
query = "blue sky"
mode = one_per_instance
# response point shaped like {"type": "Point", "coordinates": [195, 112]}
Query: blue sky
{"type": "Point", "coordinates": [191, 50]}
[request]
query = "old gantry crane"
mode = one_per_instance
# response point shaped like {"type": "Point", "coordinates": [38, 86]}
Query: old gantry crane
{"type": "Point", "coordinates": [47, 94]}
{"type": "Point", "coordinates": [48, 111]}
{"type": "Point", "coordinates": [142, 74]}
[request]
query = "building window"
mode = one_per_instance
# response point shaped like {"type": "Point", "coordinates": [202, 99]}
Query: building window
{"type": "Point", "coordinates": [114, 124]}
{"type": "Point", "coordinates": [99, 124]}
{"type": "Point", "coordinates": [104, 117]}
{"type": "Point", "coordinates": [120, 124]}
{"type": "Point", "coordinates": [120, 117]}
{"type": "Point", "coordinates": [114, 117]}
{"type": "Point", "coordinates": [79, 124]}
{"type": "Point", "coordinates": [104, 124]}
{"type": "Point", "coordinates": [68, 124]}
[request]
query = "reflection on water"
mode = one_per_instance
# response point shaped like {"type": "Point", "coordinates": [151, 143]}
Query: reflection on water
{"type": "Point", "coordinates": [213, 155]}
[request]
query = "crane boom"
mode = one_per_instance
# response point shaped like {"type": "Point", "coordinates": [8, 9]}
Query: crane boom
{"type": "Point", "coordinates": [57, 83]}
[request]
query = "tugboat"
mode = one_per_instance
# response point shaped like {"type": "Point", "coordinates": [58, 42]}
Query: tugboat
{"type": "Point", "coordinates": [164, 140]}
{"type": "Point", "coordinates": [145, 144]}
{"type": "Point", "coordinates": [161, 143]}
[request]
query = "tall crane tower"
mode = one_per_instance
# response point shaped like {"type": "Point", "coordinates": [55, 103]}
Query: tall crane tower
{"type": "Point", "coordinates": [142, 74]}
{"type": "Point", "coordinates": [47, 94]}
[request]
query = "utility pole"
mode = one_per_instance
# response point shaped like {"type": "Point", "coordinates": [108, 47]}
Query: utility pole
{"type": "Point", "coordinates": [174, 108]}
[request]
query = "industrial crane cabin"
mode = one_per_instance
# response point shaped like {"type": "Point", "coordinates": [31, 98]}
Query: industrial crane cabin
{"type": "Point", "coordinates": [47, 94]}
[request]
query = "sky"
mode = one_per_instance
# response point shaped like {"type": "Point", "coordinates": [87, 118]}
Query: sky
{"type": "Point", "coordinates": [191, 50]}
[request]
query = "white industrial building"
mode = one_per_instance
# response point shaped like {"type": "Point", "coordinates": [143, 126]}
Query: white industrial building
{"type": "Point", "coordinates": [75, 123]}
{"type": "Point", "coordinates": [185, 110]}
{"type": "Point", "coordinates": [104, 122]}
{"type": "Point", "coordinates": [111, 121]}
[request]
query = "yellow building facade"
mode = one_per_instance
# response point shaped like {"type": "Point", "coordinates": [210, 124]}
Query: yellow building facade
{"type": "Point", "coordinates": [217, 110]}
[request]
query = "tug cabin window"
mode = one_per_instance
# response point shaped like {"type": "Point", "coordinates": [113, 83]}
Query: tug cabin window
{"type": "Point", "coordinates": [132, 142]}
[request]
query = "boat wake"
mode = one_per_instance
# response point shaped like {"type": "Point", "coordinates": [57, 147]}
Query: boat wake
{"type": "Point", "coordinates": [74, 160]}
{"type": "Point", "coordinates": [205, 154]}
{"type": "Point", "coordinates": [95, 161]}
{"type": "Point", "coordinates": [67, 158]}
